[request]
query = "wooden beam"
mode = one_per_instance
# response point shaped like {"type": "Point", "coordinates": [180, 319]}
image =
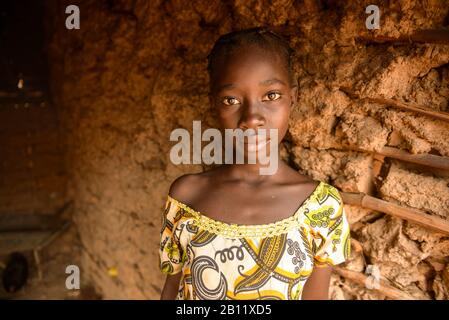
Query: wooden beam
{"type": "Point", "coordinates": [430, 160]}
{"type": "Point", "coordinates": [425, 159]}
{"type": "Point", "coordinates": [413, 215]}
{"type": "Point", "coordinates": [407, 106]}
{"type": "Point", "coordinates": [438, 36]}
{"type": "Point", "coordinates": [411, 107]}
{"type": "Point", "coordinates": [384, 288]}
{"type": "Point", "coordinates": [399, 104]}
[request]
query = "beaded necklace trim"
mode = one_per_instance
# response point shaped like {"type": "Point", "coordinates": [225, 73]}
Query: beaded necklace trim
{"type": "Point", "coordinates": [236, 231]}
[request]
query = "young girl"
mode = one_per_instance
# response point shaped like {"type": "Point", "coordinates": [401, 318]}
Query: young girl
{"type": "Point", "coordinates": [232, 233]}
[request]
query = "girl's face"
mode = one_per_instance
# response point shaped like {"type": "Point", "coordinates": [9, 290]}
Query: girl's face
{"type": "Point", "coordinates": [251, 89]}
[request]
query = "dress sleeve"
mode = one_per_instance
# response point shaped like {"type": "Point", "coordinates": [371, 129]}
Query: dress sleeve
{"type": "Point", "coordinates": [331, 242]}
{"type": "Point", "coordinates": [171, 253]}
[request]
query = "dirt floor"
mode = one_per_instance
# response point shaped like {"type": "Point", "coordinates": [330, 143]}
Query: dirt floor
{"type": "Point", "coordinates": [64, 251]}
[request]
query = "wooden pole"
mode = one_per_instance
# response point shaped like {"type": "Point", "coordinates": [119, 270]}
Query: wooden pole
{"type": "Point", "coordinates": [430, 160]}
{"type": "Point", "coordinates": [410, 214]}
{"type": "Point", "coordinates": [425, 159]}
{"type": "Point", "coordinates": [411, 107]}
{"type": "Point", "coordinates": [438, 36]}
{"type": "Point", "coordinates": [407, 106]}
{"type": "Point", "coordinates": [383, 287]}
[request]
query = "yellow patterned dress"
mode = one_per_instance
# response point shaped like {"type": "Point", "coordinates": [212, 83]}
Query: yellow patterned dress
{"type": "Point", "coordinates": [221, 261]}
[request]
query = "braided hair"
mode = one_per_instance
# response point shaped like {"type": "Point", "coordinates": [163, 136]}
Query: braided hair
{"type": "Point", "coordinates": [262, 37]}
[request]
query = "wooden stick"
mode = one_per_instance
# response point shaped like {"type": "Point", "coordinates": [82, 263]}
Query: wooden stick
{"type": "Point", "coordinates": [38, 264]}
{"type": "Point", "coordinates": [410, 214]}
{"type": "Point", "coordinates": [440, 36]}
{"type": "Point", "coordinates": [430, 160]}
{"type": "Point", "coordinates": [411, 107]}
{"type": "Point", "coordinates": [425, 159]}
{"type": "Point", "coordinates": [400, 105]}
{"type": "Point", "coordinates": [431, 36]}
{"type": "Point", "coordinates": [383, 288]}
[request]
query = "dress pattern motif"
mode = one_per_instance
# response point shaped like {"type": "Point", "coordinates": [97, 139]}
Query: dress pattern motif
{"type": "Point", "coordinates": [221, 261]}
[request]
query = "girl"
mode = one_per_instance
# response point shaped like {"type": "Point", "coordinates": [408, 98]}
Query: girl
{"type": "Point", "coordinates": [232, 233]}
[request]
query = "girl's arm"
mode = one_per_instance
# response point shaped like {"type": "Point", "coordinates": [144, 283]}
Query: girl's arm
{"type": "Point", "coordinates": [317, 285]}
{"type": "Point", "coordinates": [171, 286]}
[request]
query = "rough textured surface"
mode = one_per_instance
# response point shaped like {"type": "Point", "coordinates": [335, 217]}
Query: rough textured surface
{"type": "Point", "coordinates": [413, 188]}
{"type": "Point", "coordinates": [136, 70]}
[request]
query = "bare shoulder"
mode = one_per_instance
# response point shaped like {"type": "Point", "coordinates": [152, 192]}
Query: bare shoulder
{"type": "Point", "coordinates": [300, 180]}
{"type": "Point", "coordinates": [188, 186]}
{"type": "Point", "coordinates": [182, 187]}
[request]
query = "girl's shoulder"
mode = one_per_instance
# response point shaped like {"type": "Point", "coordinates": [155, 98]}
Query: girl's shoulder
{"type": "Point", "coordinates": [180, 187]}
{"type": "Point", "coordinates": [188, 186]}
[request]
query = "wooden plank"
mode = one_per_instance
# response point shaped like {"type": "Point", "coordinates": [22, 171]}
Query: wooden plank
{"type": "Point", "coordinates": [430, 160]}
{"type": "Point", "coordinates": [411, 107]}
{"type": "Point", "coordinates": [410, 214]}
{"type": "Point", "coordinates": [437, 36]}
{"type": "Point", "coordinates": [406, 106]}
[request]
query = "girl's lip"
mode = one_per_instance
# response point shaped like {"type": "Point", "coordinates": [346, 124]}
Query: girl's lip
{"type": "Point", "coordinates": [255, 146]}
{"type": "Point", "coordinates": [256, 139]}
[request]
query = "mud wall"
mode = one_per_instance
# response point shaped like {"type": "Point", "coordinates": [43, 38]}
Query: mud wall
{"type": "Point", "coordinates": [137, 69]}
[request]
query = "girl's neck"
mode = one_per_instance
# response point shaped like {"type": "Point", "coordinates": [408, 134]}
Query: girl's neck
{"type": "Point", "coordinates": [249, 173]}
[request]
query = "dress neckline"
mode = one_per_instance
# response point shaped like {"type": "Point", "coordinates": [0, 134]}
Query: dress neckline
{"type": "Point", "coordinates": [235, 230]}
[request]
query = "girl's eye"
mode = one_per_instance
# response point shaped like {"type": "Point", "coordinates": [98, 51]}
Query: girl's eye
{"type": "Point", "coordinates": [229, 101]}
{"type": "Point", "coordinates": [272, 96]}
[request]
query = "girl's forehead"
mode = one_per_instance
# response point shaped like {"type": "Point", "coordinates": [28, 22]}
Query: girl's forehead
{"type": "Point", "coordinates": [250, 64]}
{"type": "Point", "coordinates": [252, 55]}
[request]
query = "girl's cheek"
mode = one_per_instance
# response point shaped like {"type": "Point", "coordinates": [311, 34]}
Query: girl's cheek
{"type": "Point", "coordinates": [226, 113]}
{"type": "Point", "coordinates": [225, 119]}
{"type": "Point", "coordinates": [279, 117]}
{"type": "Point", "coordinates": [222, 114]}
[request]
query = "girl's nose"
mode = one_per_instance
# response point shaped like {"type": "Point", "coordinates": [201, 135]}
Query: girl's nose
{"type": "Point", "coordinates": [252, 117]}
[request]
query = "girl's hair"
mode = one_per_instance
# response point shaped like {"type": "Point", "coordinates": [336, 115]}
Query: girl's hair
{"type": "Point", "coordinates": [262, 37]}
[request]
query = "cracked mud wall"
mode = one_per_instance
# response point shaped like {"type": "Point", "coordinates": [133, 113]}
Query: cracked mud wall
{"type": "Point", "coordinates": [137, 70]}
